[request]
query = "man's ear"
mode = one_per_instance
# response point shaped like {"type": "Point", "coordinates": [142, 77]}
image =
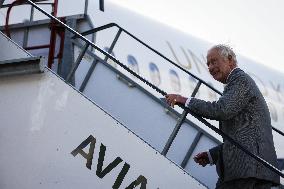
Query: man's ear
{"type": "Point", "coordinates": [230, 57]}
{"type": "Point", "coordinates": [231, 62]}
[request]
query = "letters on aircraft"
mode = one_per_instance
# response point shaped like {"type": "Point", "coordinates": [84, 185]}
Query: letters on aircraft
{"type": "Point", "coordinates": [101, 172]}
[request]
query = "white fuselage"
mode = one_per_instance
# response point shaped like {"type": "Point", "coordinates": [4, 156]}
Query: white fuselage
{"type": "Point", "coordinates": [187, 51]}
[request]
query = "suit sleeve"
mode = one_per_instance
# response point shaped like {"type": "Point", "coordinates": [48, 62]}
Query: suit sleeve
{"type": "Point", "coordinates": [215, 153]}
{"type": "Point", "coordinates": [236, 96]}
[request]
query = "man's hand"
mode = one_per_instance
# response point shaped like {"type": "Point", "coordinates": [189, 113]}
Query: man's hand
{"type": "Point", "coordinates": [173, 99]}
{"type": "Point", "coordinates": [202, 159]}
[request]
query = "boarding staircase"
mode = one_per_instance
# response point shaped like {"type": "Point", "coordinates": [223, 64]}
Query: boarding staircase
{"type": "Point", "coordinates": [52, 136]}
{"type": "Point", "coordinates": [136, 104]}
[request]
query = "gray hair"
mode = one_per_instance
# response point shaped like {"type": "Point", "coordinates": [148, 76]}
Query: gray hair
{"type": "Point", "coordinates": [225, 51]}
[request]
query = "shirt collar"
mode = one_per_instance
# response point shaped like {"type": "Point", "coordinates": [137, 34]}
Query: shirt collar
{"type": "Point", "coordinates": [231, 73]}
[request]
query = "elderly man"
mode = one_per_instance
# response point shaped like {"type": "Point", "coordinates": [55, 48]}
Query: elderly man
{"type": "Point", "coordinates": [242, 114]}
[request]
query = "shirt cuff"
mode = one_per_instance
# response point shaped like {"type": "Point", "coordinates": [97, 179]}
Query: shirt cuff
{"type": "Point", "coordinates": [187, 102]}
{"type": "Point", "coordinates": [210, 158]}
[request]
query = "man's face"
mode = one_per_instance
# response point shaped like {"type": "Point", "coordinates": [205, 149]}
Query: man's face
{"type": "Point", "coordinates": [218, 66]}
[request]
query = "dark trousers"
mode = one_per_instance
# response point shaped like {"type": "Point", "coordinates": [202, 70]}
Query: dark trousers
{"type": "Point", "coordinates": [246, 183]}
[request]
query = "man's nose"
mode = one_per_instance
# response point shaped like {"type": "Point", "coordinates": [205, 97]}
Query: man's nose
{"type": "Point", "coordinates": [210, 67]}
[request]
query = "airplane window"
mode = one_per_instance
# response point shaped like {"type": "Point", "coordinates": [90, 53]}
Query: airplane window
{"type": "Point", "coordinates": [132, 63]}
{"type": "Point", "coordinates": [273, 112]}
{"type": "Point", "coordinates": [192, 79]}
{"type": "Point", "coordinates": [175, 81]}
{"type": "Point", "coordinates": [154, 74]}
{"type": "Point", "coordinates": [111, 62]}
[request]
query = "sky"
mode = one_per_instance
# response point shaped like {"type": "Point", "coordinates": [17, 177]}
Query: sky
{"type": "Point", "coordinates": [253, 28]}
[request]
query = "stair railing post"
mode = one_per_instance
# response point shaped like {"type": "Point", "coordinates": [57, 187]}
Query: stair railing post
{"type": "Point", "coordinates": [90, 71]}
{"type": "Point", "coordinates": [77, 62]}
{"type": "Point", "coordinates": [179, 123]}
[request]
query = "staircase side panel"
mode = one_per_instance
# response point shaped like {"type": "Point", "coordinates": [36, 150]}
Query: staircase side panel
{"type": "Point", "coordinates": [11, 50]}
{"type": "Point", "coordinates": [43, 120]}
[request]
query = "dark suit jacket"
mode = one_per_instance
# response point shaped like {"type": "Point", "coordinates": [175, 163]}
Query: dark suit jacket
{"type": "Point", "coordinates": [243, 114]}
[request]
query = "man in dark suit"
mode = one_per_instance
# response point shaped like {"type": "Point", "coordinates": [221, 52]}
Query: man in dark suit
{"type": "Point", "coordinates": [242, 114]}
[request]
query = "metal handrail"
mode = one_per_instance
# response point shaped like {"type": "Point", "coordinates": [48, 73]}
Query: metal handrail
{"type": "Point", "coordinates": [106, 26]}
{"type": "Point", "coordinates": [149, 47]}
{"type": "Point", "coordinates": [271, 167]}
